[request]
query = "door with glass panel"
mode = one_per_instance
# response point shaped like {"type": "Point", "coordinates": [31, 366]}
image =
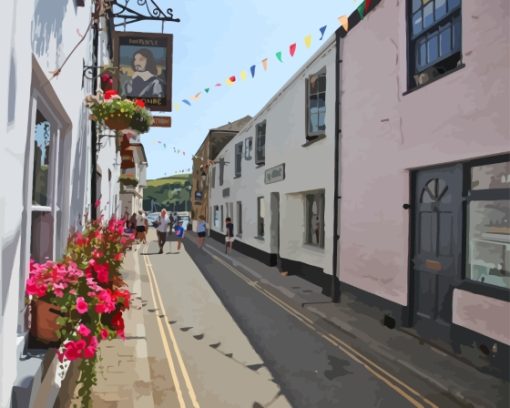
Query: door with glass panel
{"type": "Point", "coordinates": [437, 257]}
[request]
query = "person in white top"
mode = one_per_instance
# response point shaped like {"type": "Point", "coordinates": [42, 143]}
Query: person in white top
{"type": "Point", "coordinates": [141, 226]}
{"type": "Point", "coordinates": [163, 223]}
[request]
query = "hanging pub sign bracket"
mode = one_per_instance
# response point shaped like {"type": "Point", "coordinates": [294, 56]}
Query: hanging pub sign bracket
{"type": "Point", "coordinates": [149, 10]}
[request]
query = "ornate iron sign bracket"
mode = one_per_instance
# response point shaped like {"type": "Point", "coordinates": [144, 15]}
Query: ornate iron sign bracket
{"type": "Point", "coordinates": [146, 10]}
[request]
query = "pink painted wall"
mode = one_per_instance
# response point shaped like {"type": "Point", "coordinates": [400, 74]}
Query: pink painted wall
{"type": "Point", "coordinates": [385, 134]}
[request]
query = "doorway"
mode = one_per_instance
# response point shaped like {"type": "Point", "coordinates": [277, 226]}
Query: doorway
{"type": "Point", "coordinates": [436, 259]}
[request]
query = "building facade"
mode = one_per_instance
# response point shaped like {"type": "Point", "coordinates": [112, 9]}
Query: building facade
{"type": "Point", "coordinates": [275, 178]}
{"type": "Point", "coordinates": [45, 153]}
{"type": "Point", "coordinates": [425, 170]}
{"type": "Point", "coordinates": [215, 140]}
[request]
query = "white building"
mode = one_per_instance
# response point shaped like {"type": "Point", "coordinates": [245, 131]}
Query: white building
{"type": "Point", "coordinates": [275, 178]}
{"type": "Point", "coordinates": [45, 154]}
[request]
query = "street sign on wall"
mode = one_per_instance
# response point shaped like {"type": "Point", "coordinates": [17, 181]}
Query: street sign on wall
{"type": "Point", "coordinates": [145, 68]}
{"type": "Point", "coordinates": [274, 174]}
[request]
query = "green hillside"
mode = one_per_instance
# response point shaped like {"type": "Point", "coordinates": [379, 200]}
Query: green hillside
{"type": "Point", "coordinates": [173, 193]}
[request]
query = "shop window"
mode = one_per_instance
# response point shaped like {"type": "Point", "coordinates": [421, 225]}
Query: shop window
{"type": "Point", "coordinates": [260, 143]}
{"type": "Point", "coordinates": [434, 39]}
{"type": "Point", "coordinates": [216, 217]}
{"type": "Point", "coordinates": [315, 219]}
{"type": "Point", "coordinates": [316, 105]}
{"type": "Point", "coordinates": [488, 229]}
{"type": "Point", "coordinates": [261, 212]}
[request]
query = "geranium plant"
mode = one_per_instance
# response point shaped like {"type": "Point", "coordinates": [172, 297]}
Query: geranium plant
{"type": "Point", "coordinates": [110, 109]}
{"type": "Point", "coordinates": [88, 291]}
{"type": "Point", "coordinates": [128, 179]}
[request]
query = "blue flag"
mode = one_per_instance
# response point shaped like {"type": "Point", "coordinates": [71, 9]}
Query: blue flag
{"type": "Point", "coordinates": [252, 69]}
{"type": "Point", "coordinates": [322, 30]}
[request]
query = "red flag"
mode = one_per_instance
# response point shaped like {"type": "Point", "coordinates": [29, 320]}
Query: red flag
{"type": "Point", "coordinates": [292, 49]}
{"type": "Point", "coordinates": [233, 78]}
{"type": "Point", "coordinates": [368, 3]}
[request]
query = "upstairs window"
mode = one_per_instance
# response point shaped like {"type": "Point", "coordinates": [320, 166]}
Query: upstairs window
{"type": "Point", "coordinates": [222, 170]}
{"type": "Point", "coordinates": [434, 39]}
{"type": "Point", "coordinates": [239, 156]}
{"type": "Point", "coordinates": [213, 177]}
{"type": "Point", "coordinates": [260, 143]}
{"type": "Point", "coordinates": [316, 105]}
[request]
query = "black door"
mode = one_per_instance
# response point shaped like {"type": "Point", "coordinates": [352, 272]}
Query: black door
{"type": "Point", "coordinates": [436, 262]}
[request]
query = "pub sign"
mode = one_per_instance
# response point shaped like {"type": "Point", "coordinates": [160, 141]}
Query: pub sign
{"type": "Point", "coordinates": [145, 68]}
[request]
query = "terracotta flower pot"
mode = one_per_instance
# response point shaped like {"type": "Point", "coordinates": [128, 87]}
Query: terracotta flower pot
{"type": "Point", "coordinates": [43, 324]}
{"type": "Point", "coordinates": [118, 122]}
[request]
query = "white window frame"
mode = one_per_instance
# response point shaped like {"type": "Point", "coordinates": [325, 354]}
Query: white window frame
{"type": "Point", "coordinates": [259, 146]}
{"type": "Point", "coordinates": [320, 197]}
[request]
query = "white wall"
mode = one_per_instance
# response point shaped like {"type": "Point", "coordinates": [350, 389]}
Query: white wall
{"type": "Point", "coordinates": [306, 168]}
{"type": "Point", "coordinates": [37, 37]}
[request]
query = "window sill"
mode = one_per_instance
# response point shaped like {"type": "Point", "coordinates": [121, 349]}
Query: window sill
{"type": "Point", "coordinates": [259, 238]}
{"type": "Point", "coordinates": [259, 165]}
{"type": "Point", "coordinates": [236, 177]}
{"type": "Point", "coordinates": [485, 289]}
{"type": "Point", "coordinates": [434, 80]}
{"type": "Point", "coordinates": [314, 140]}
{"type": "Point", "coordinates": [240, 236]}
{"type": "Point", "coordinates": [312, 247]}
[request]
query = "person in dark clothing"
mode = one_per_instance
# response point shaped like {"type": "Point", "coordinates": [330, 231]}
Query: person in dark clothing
{"type": "Point", "coordinates": [229, 238]}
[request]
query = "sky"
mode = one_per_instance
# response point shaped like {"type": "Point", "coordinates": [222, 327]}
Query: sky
{"type": "Point", "coordinates": [218, 39]}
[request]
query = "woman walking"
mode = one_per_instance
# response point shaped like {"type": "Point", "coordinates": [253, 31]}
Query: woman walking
{"type": "Point", "coordinates": [141, 226]}
{"type": "Point", "coordinates": [201, 230]}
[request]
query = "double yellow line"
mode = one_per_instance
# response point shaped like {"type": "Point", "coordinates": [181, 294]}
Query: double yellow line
{"type": "Point", "coordinates": [400, 387]}
{"type": "Point", "coordinates": [158, 304]}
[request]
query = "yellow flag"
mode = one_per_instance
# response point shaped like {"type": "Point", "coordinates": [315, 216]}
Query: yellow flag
{"type": "Point", "coordinates": [228, 81]}
{"type": "Point", "coordinates": [177, 107]}
{"type": "Point", "coordinates": [344, 22]}
{"type": "Point", "coordinates": [243, 75]}
{"type": "Point", "coordinates": [308, 41]}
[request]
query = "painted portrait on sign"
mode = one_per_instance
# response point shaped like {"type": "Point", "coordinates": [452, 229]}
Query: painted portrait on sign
{"type": "Point", "coordinates": [145, 68]}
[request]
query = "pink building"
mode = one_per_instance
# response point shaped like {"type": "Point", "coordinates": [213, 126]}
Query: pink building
{"type": "Point", "coordinates": [424, 169]}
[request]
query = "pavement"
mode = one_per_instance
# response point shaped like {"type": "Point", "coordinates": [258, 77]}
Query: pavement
{"type": "Point", "coordinates": [124, 378]}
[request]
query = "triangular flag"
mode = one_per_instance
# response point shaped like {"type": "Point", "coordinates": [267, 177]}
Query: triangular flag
{"type": "Point", "coordinates": [198, 95]}
{"type": "Point", "coordinates": [243, 75]}
{"type": "Point", "coordinates": [279, 56]}
{"type": "Point", "coordinates": [361, 10]}
{"type": "Point", "coordinates": [186, 102]}
{"type": "Point", "coordinates": [232, 78]}
{"type": "Point", "coordinates": [368, 3]}
{"type": "Point", "coordinates": [252, 69]}
{"type": "Point", "coordinates": [344, 22]}
{"type": "Point", "coordinates": [218, 84]}
{"type": "Point", "coordinates": [308, 41]}
{"type": "Point", "coordinates": [322, 30]}
{"type": "Point", "coordinates": [264, 64]}
{"type": "Point", "coordinates": [292, 49]}
{"type": "Point", "coordinates": [206, 90]}
{"type": "Point", "coordinates": [228, 81]}
{"type": "Point", "coordinates": [177, 106]}
{"type": "Point", "coordinates": [164, 145]}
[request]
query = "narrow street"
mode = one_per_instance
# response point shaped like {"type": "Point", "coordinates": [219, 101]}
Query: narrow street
{"type": "Point", "coordinates": [217, 339]}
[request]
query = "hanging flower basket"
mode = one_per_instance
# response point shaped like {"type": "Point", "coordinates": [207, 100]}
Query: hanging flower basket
{"type": "Point", "coordinates": [117, 123]}
{"type": "Point", "coordinates": [128, 180]}
{"type": "Point", "coordinates": [119, 114]}
{"type": "Point", "coordinates": [43, 324]}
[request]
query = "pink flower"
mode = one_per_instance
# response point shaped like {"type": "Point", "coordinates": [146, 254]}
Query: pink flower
{"type": "Point", "coordinates": [90, 350]}
{"type": "Point", "coordinates": [102, 272]}
{"type": "Point", "coordinates": [83, 330]}
{"type": "Point", "coordinates": [118, 257]}
{"type": "Point", "coordinates": [81, 305]}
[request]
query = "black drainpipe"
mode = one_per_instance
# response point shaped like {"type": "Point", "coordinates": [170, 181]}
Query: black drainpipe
{"type": "Point", "coordinates": [335, 282]}
{"type": "Point", "coordinates": [93, 130]}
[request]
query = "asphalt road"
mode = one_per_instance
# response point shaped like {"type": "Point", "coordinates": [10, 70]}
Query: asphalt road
{"type": "Point", "coordinates": [309, 369]}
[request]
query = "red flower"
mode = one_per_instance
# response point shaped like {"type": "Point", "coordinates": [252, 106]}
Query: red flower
{"type": "Point", "coordinates": [118, 321]}
{"type": "Point", "coordinates": [140, 103]}
{"type": "Point", "coordinates": [108, 94]}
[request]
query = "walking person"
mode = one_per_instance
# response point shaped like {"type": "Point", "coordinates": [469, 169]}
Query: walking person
{"type": "Point", "coordinates": [141, 226]}
{"type": "Point", "coordinates": [202, 231]}
{"type": "Point", "coordinates": [179, 233]}
{"type": "Point", "coordinates": [229, 238]}
{"type": "Point", "coordinates": [161, 229]}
